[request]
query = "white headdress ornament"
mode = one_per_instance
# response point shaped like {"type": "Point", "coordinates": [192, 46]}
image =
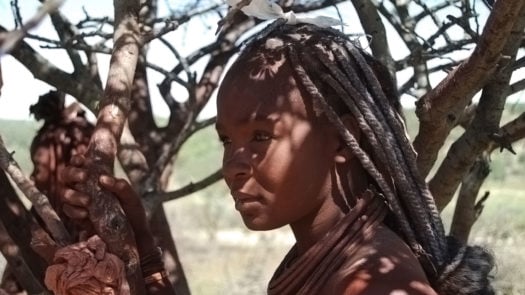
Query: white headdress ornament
{"type": "Point", "coordinates": [265, 9]}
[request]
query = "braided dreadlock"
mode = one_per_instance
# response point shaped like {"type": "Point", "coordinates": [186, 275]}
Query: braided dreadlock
{"type": "Point", "coordinates": [341, 78]}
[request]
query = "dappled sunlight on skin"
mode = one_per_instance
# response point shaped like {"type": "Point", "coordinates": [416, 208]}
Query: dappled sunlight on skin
{"type": "Point", "coordinates": [266, 71]}
{"type": "Point", "coordinates": [308, 206]}
{"type": "Point", "coordinates": [286, 178]}
{"type": "Point", "coordinates": [286, 164]}
{"type": "Point", "coordinates": [386, 266]}
{"type": "Point", "coordinates": [267, 66]}
{"type": "Point", "coordinates": [398, 292]}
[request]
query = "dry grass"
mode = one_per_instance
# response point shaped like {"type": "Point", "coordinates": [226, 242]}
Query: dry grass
{"type": "Point", "coordinates": [232, 260]}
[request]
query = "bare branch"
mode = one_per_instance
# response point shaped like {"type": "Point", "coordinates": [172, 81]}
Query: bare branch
{"type": "Point", "coordinates": [410, 37]}
{"type": "Point", "coordinates": [439, 110]}
{"type": "Point", "coordinates": [373, 26]}
{"type": "Point", "coordinates": [517, 87]}
{"type": "Point", "coordinates": [203, 124]}
{"type": "Point", "coordinates": [9, 40]}
{"type": "Point", "coordinates": [66, 32]}
{"type": "Point", "coordinates": [485, 125]}
{"type": "Point", "coordinates": [183, 61]}
{"type": "Point", "coordinates": [465, 213]}
{"type": "Point", "coordinates": [44, 70]}
{"type": "Point", "coordinates": [16, 14]}
{"type": "Point", "coordinates": [40, 201]}
{"type": "Point", "coordinates": [431, 12]}
{"type": "Point", "coordinates": [511, 132]}
{"type": "Point", "coordinates": [464, 24]}
{"type": "Point", "coordinates": [151, 203]}
{"type": "Point", "coordinates": [228, 19]}
{"type": "Point", "coordinates": [18, 265]}
{"type": "Point", "coordinates": [16, 231]}
{"type": "Point", "coordinates": [183, 118]}
{"type": "Point", "coordinates": [171, 23]}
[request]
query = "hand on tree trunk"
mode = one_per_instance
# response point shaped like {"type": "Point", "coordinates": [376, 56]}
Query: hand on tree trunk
{"type": "Point", "coordinates": [75, 206]}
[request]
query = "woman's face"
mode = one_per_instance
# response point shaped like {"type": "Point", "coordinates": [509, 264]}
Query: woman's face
{"type": "Point", "coordinates": [279, 159]}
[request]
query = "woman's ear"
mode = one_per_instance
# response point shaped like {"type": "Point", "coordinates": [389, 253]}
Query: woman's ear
{"type": "Point", "coordinates": [343, 153]}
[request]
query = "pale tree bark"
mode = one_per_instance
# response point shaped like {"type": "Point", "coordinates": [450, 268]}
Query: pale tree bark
{"type": "Point", "coordinates": [467, 209]}
{"type": "Point", "coordinates": [469, 206]}
{"type": "Point", "coordinates": [135, 163]}
{"type": "Point", "coordinates": [104, 210]}
{"type": "Point", "coordinates": [485, 124]}
{"type": "Point", "coordinates": [439, 109]}
{"type": "Point", "coordinates": [68, 34]}
{"type": "Point", "coordinates": [407, 26]}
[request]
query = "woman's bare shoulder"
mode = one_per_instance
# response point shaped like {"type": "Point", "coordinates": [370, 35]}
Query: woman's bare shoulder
{"type": "Point", "coordinates": [384, 264]}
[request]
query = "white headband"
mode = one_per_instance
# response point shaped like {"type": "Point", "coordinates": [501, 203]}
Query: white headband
{"type": "Point", "coordinates": [264, 9]}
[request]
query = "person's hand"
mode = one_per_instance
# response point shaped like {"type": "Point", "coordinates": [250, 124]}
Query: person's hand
{"type": "Point", "coordinates": [76, 203]}
{"type": "Point", "coordinates": [129, 201]}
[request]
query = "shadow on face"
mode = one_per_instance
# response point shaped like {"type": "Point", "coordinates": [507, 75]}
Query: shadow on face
{"type": "Point", "coordinates": [293, 169]}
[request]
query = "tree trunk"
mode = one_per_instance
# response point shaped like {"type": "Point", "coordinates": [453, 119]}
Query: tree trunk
{"type": "Point", "coordinates": [439, 110]}
{"type": "Point", "coordinates": [485, 125]}
{"type": "Point", "coordinates": [164, 238]}
{"type": "Point", "coordinates": [104, 211]}
{"type": "Point", "coordinates": [466, 211]}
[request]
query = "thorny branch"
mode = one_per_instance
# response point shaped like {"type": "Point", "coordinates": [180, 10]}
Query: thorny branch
{"type": "Point", "coordinates": [40, 201]}
{"type": "Point", "coordinates": [475, 140]}
{"type": "Point", "coordinates": [440, 108]}
{"type": "Point", "coordinates": [9, 40]}
{"type": "Point", "coordinates": [151, 203]}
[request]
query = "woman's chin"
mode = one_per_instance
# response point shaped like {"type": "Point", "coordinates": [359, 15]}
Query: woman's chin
{"type": "Point", "coordinates": [258, 224]}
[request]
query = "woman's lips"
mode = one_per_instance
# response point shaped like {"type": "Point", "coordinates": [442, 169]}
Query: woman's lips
{"type": "Point", "coordinates": [243, 200]}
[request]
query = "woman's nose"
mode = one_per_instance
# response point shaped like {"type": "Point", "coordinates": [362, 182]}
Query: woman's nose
{"type": "Point", "coordinates": [236, 165]}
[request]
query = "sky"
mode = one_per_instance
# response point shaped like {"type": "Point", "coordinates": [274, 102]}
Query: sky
{"type": "Point", "coordinates": [20, 89]}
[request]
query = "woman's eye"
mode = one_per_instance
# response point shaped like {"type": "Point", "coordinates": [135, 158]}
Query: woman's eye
{"type": "Point", "coordinates": [261, 136]}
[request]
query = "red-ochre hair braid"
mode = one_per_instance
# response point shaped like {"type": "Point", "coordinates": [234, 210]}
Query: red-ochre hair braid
{"type": "Point", "coordinates": [341, 78]}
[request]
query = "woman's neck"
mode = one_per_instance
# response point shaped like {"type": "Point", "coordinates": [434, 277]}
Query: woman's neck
{"type": "Point", "coordinates": [348, 182]}
{"type": "Point", "coordinates": [312, 229]}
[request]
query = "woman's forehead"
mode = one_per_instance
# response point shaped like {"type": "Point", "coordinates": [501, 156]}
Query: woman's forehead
{"type": "Point", "coordinates": [261, 95]}
{"type": "Point", "coordinates": [245, 97]}
{"type": "Point", "coordinates": [267, 77]}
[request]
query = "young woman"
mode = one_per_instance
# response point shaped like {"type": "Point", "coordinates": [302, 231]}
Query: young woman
{"type": "Point", "coordinates": [313, 138]}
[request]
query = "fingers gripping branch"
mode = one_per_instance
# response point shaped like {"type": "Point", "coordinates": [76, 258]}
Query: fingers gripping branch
{"type": "Point", "coordinates": [104, 210]}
